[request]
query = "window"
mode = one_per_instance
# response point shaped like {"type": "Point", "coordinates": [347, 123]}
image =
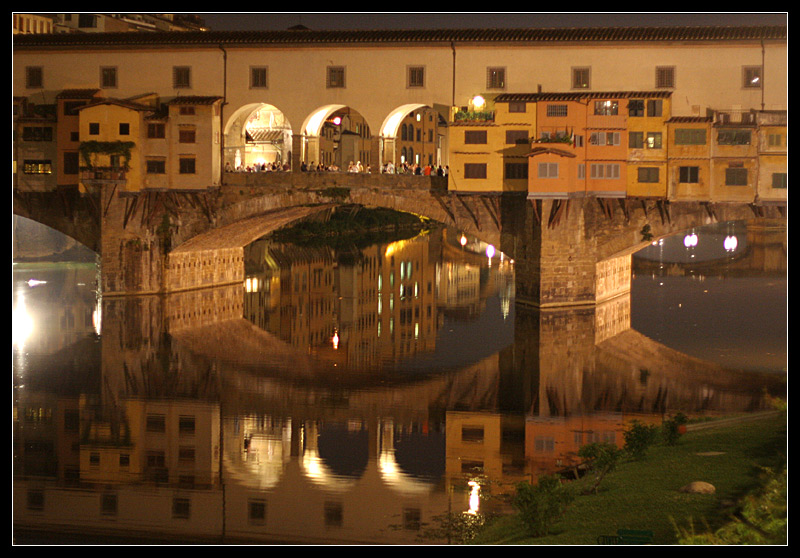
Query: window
{"type": "Point", "coordinates": [34, 77]}
{"type": "Point", "coordinates": [71, 162]}
{"type": "Point", "coordinates": [186, 110]}
{"type": "Point", "coordinates": [606, 108]}
{"type": "Point", "coordinates": [751, 76]}
{"type": "Point", "coordinates": [514, 137]}
{"type": "Point", "coordinates": [87, 21]}
{"type": "Point", "coordinates": [548, 170]}
{"type": "Point", "coordinates": [94, 459]}
{"type": "Point", "coordinates": [544, 444]}
{"type": "Point", "coordinates": [156, 166]}
{"type": "Point", "coordinates": [336, 77]}
{"type": "Point", "coordinates": [181, 508]}
{"type": "Point", "coordinates": [94, 128]}
{"type": "Point", "coordinates": [155, 130]}
{"type": "Point", "coordinates": [334, 514]}
{"type": "Point", "coordinates": [186, 165]}
{"type": "Point", "coordinates": [516, 170]}
{"type": "Point", "coordinates": [412, 519]}
{"type": "Point", "coordinates": [257, 512]}
{"type": "Point", "coordinates": [37, 133]}
{"type": "Point", "coordinates": [690, 136]}
{"type": "Point", "coordinates": [181, 77]}
{"type": "Point", "coordinates": [186, 425]}
{"type": "Point", "coordinates": [124, 460]}
{"type": "Point", "coordinates": [258, 77]}
{"type": "Point", "coordinates": [654, 107]}
{"type": "Point", "coordinates": [35, 500]}
{"type": "Point", "coordinates": [604, 138]}
{"type": "Point", "coordinates": [186, 454]}
{"type": "Point", "coordinates": [775, 140]}
{"type": "Point", "coordinates": [581, 78]}
{"type": "Point", "coordinates": [665, 77]}
{"type": "Point", "coordinates": [653, 140]}
{"type": "Point", "coordinates": [517, 106]}
{"type": "Point", "coordinates": [156, 423]}
{"type": "Point", "coordinates": [475, 137]}
{"type": "Point", "coordinates": [495, 78]}
{"type": "Point", "coordinates": [636, 107]}
{"type": "Point", "coordinates": [124, 129]}
{"type": "Point", "coordinates": [186, 135]}
{"type": "Point", "coordinates": [689, 175]}
{"type": "Point", "coordinates": [604, 170]}
{"type": "Point", "coordinates": [648, 174]}
{"type": "Point", "coordinates": [33, 166]}
{"type": "Point", "coordinates": [416, 76]}
{"type": "Point", "coordinates": [475, 170]}
{"type": "Point", "coordinates": [473, 434]}
{"type": "Point", "coordinates": [636, 140]}
{"type": "Point", "coordinates": [556, 110]}
{"type": "Point", "coordinates": [779, 180]}
{"type": "Point", "coordinates": [736, 176]}
{"type": "Point", "coordinates": [108, 504]}
{"type": "Point", "coordinates": [108, 77]}
{"type": "Point", "coordinates": [72, 420]}
{"type": "Point", "coordinates": [733, 137]}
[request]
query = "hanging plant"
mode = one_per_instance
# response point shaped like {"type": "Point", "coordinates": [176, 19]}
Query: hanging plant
{"type": "Point", "coordinates": [109, 148]}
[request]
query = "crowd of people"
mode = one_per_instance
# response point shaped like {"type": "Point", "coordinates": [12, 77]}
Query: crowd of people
{"type": "Point", "coordinates": [355, 167]}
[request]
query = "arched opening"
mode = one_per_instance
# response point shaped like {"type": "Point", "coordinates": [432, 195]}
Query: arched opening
{"type": "Point", "coordinates": [337, 138]}
{"type": "Point", "coordinates": [414, 135]}
{"type": "Point", "coordinates": [258, 137]}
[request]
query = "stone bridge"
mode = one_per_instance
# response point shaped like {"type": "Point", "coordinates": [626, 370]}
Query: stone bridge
{"type": "Point", "coordinates": [566, 252]}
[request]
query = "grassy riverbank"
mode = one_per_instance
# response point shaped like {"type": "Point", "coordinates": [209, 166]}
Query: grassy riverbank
{"type": "Point", "coordinates": [645, 494]}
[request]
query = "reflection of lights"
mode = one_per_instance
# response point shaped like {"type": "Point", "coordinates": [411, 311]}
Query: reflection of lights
{"type": "Point", "coordinates": [335, 339]}
{"type": "Point", "coordinates": [490, 251]}
{"type": "Point", "coordinates": [730, 243]}
{"type": "Point", "coordinates": [22, 323]}
{"type": "Point", "coordinates": [251, 284]}
{"type": "Point", "coordinates": [690, 240]}
{"type": "Point", "coordinates": [474, 497]}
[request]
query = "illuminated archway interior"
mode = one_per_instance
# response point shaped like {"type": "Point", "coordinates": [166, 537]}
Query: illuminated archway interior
{"type": "Point", "coordinates": [257, 136]}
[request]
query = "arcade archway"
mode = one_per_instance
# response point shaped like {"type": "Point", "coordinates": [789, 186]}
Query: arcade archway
{"type": "Point", "coordinates": [257, 136]}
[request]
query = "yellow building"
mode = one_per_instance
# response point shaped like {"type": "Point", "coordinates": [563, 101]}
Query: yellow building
{"type": "Point", "coordinates": [689, 148]}
{"type": "Point", "coordinates": [772, 156]}
{"type": "Point", "coordinates": [647, 116]}
{"type": "Point", "coordinates": [489, 145]}
{"type": "Point", "coordinates": [734, 156]}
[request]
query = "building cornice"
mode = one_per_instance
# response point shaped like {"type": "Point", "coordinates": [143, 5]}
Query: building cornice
{"type": "Point", "coordinates": [422, 37]}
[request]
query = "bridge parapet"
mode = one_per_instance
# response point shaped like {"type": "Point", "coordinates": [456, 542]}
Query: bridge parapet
{"type": "Point", "coordinates": [321, 180]}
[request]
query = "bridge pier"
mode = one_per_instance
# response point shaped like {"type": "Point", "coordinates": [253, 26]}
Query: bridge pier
{"type": "Point", "coordinates": [577, 252]}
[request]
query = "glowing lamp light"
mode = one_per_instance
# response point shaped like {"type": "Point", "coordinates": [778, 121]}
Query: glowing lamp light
{"type": "Point", "coordinates": [690, 240]}
{"type": "Point", "coordinates": [730, 243]}
{"type": "Point", "coordinates": [463, 240]}
{"type": "Point", "coordinates": [478, 102]}
{"type": "Point", "coordinates": [336, 120]}
{"type": "Point", "coordinates": [490, 251]}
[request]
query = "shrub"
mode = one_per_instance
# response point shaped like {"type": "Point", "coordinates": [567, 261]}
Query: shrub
{"type": "Point", "coordinates": [542, 504]}
{"type": "Point", "coordinates": [638, 438]}
{"type": "Point", "coordinates": [601, 458]}
{"type": "Point", "coordinates": [671, 429]}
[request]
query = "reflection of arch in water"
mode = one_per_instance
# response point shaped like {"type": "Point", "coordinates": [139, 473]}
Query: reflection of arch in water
{"type": "Point", "coordinates": [335, 457]}
{"type": "Point", "coordinates": [255, 134]}
{"type": "Point", "coordinates": [412, 463]}
{"type": "Point", "coordinates": [256, 458]}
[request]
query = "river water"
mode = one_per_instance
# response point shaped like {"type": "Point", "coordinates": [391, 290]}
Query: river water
{"type": "Point", "coordinates": [359, 394]}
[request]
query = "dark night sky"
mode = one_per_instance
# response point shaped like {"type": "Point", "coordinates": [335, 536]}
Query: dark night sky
{"type": "Point", "coordinates": [240, 21]}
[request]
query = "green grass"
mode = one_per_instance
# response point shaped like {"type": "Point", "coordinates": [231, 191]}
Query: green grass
{"type": "Point", "coordinates": [645, 494]}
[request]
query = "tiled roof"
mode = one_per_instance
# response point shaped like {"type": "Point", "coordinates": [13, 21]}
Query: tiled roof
{"type": "Point", "coordinates": [392, 37]}
{"type": "Point", "coordinates": [691, 119]}
{"type": "Point", "coordinates": [579, 95]}
{"type": "Point", "coordinates": [77, 93]}
{"type": "Point", "coordinates": [195, 100]}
